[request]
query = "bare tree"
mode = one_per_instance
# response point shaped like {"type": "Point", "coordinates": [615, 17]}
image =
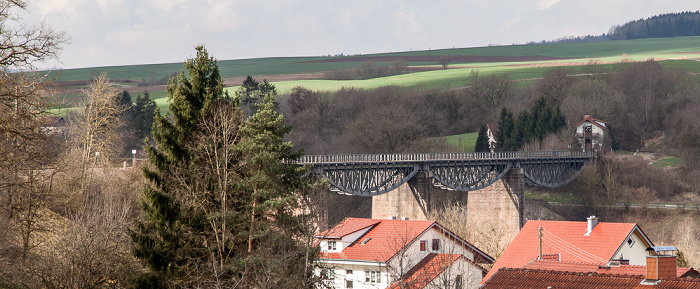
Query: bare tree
{"type": "Point", "coordinates": [554, 85]}
{"type": "Point", "coordinates": [93, 127]}
{"type": "Point", "coordinates": [23, 45]}
{"type": "Point", "coordinates": [493, 88]}
{"type": "Point", "coordinates": [595, 98]}
{"type": "Point", "coordinates": [444, 62]}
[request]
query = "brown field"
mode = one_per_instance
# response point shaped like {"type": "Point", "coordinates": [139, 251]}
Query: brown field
{"type": "Point", "coordinates": [436, 58]}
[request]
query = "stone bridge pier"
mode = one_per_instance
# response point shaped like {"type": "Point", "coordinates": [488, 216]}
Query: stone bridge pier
{"type": "Point", "coordinates": [498, 207]}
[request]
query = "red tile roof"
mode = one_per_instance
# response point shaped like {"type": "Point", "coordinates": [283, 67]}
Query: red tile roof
{"type": "Point", "coordinates": [426, 271]}
{"type": "Point", "coordinates": [347, 227]}
{"type": "Point", "coordinates": [530, 279]}
{"type": "Point", "coordinates": [565, 238]}
{"type": "Point", "coordinates": [590, 267]}
{"type": "Point", "coordinates": [386, 238]}
{"type": "Point", "coordinates": [591, 120]}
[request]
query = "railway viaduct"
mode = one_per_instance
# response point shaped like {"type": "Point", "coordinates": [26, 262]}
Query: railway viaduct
{"type": "Point", "coordinates": [410, 186]}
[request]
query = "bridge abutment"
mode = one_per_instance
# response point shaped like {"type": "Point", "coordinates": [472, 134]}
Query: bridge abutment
{"type": "Point", "coordinates": [499, 206]}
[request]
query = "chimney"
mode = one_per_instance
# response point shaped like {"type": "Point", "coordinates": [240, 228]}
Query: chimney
{"type": "Point", "coordinates": [592, 222]}
{"type": "Point", "coordinates": [661, 266]}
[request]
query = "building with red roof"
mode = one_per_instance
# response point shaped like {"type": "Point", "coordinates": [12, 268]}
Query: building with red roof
{"type": "Point", "coordinates": [591, 133]}
{"type": "Point", "coordinates": [614, 268]}
{"type": "Point", "coordinates": [588, 242]}
{"type": "Point", "coordinates": [534, 278]}
{"type": "Point", "coordinates": [375, 253]}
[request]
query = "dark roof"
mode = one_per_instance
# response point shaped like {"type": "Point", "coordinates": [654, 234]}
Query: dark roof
{"type": "Point", "coordinates": [532, 278]}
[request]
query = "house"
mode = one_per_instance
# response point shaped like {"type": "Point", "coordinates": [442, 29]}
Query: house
{"type": "Point", "coordinates": [599, 243]}
{"type": "Point", "coordinates": [660, 272]}
{"type": "Point", "coordinates": [52, 124]}
{"type": "Point", "coordinates": [375, 253]}
{"type": "Point", "coordinates": [534, 278]}
{"type": "Point", "coordinates": [590, 133]}
{"type": "Point", "coordinates": [613, 268]}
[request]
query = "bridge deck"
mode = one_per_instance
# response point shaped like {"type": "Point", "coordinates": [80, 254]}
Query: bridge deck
{"type": "Point", "coordinates": [438, 157]}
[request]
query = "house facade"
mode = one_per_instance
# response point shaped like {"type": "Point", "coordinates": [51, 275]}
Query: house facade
{"type": "Point", "coordinates": [375, 253]}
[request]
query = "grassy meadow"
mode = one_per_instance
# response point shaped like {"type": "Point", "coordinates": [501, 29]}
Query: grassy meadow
{"type": "Point", "coordinates": [680, 52]}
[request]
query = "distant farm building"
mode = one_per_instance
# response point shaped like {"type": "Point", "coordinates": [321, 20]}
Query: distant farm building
{"type": "Point", "coordinates": [590, 133]}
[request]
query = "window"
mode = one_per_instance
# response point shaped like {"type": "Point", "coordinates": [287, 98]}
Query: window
{"type": "Point", "coordinates": [348, 283]}
{"type": "Point", "coordinates": [423, 245]}
{"type": "Point", "coordinates": [331, 246]}
{"type": "Point", "coordinates": [373, 276]}
{"type": "Point", "coordinates": [458, 282]}
{"type": "Point", "coordinates": [436, 244]}
{"type": "Point", "coordinates": [630, 242]}
{"type": "Point", "coordinates": [348, 272]}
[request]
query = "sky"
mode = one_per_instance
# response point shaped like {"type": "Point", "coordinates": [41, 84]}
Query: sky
{"type": "Point", "coordinates": [126, 32]}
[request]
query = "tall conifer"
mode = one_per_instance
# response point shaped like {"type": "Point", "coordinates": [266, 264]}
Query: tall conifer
{"type": "Point", "coordinates": [482, 141]}
{"type": "Point", "coordinates": [158, 237]}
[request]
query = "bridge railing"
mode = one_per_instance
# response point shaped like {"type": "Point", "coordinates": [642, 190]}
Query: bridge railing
{"type": "Point", "coordinates": [422, 157]}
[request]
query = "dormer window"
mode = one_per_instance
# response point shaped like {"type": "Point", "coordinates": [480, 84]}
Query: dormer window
{"type": "Point", "coordinates": [331, 246]}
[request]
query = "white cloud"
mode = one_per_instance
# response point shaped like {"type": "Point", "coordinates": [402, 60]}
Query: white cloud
{"type": "Point", "coordinates": [407, 20]}
{"type": "Point", "coordinates": [546, 4]}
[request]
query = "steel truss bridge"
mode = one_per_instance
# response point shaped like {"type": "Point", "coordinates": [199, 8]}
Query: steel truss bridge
{"type": "Point", "coordinates": [370, 175]}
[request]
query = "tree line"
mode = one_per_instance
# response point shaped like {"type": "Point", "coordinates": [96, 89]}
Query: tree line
{"type": "Point", "coordinates": [659, 26]}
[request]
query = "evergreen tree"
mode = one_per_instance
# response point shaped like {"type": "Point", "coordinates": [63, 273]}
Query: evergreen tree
{"type": "Point", "coordinates": [266, 88]}
{"type": "Point", "coordinates": [482, 141]}
{"type": "Point", "coordinates": [159, 238]}
{"type": "Point", "coordinates": [271, 186]}
{"type": "Point", "coordinates": [505, 129]}
{"type": "Point", "coordinates": [222, 199]}
{"type": "Point", "coordinates": [250, 85]}
{"type": "Point", "coordinates": [144, 111]}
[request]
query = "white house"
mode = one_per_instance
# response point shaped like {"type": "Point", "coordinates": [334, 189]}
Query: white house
{"type": "Point", "coordinates": [374, 253]}
{"type": "Point", "coordinates": [591, 133]}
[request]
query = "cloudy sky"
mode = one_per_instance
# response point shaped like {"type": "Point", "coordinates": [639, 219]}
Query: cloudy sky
{"type": "Point", "coordinates": [122, 32]}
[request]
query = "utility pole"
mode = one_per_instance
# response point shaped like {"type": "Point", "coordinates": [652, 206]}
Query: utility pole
{"type": "Point", "coordinates": [539, 236]}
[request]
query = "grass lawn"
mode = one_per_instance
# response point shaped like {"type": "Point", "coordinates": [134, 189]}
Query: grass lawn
{"type": "Point", "coordinates": [465, 141]}
{"type": "Point", "coordinates": [667, 162]}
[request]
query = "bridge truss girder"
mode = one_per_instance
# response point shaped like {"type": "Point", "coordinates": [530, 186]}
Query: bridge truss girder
{"type": "Point", "coordinates": [551, 174]}
{"type": "Point", "coordinates": [368, 175]}
{"type": "Point", "coordinates": [366, 179]}
{"type": "Point", "coordinates": [468, 176]}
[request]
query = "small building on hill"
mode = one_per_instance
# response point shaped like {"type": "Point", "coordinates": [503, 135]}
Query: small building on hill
{"type": "Point", "coordinates": [590, 133]}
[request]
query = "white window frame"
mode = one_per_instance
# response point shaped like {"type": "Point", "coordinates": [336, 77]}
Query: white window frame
{"type": "Point", "coordinates": [373, 276]}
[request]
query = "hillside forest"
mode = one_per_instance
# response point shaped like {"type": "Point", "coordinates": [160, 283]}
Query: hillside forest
{"type": "Point", "coordinates": [659, 26]}
{"type": "Point", "coordinates": [214, 200]}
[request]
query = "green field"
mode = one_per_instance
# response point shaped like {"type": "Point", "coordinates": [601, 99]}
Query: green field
{"type": "Point", "coordinates": [684, 51]}
{"type": "Point", "coordinates": [465, 141]}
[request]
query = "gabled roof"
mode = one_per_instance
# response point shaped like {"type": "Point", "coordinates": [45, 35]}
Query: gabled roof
{"type": "Point", "coordinates": [595, 121]}
{"type": "Point", "coordinates": [427, 270]}
{"type": "Point", "coordinates": [569, 240]}
{"type": "Point", "coordinates": [590, 267]}
{"type": "Point", "coordinates": [530, 278]}
{"type": "Point", "coordinates": [347, 227]}
{"type": "Point", "coordinates": [52, 120]}
{"type": "Point", "coordinates": [386, 238]}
